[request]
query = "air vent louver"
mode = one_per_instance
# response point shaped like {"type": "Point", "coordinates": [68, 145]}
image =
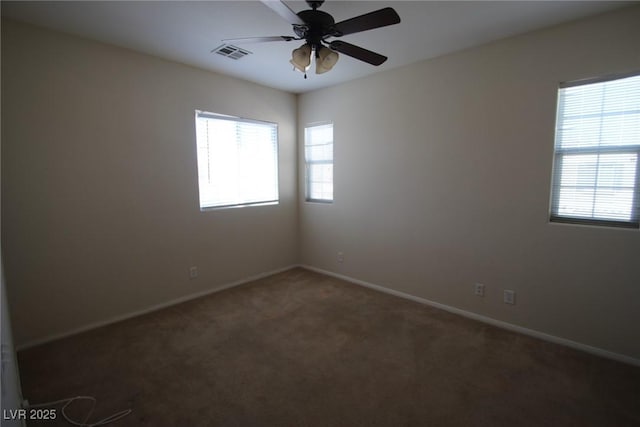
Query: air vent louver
{"type": "Point", "coordinates": [231, 51]}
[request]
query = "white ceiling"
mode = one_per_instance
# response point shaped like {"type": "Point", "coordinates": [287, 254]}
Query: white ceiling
{"type": "Point", "coordinates": [187, 31]}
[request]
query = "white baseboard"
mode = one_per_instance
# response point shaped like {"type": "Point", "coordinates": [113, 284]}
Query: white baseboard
{"type": "Point", "coordinates": [150, 309]}
{"type": "Point", "coordinates": [499, 323]}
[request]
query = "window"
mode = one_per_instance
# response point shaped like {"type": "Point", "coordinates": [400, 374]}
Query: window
{"type": "Point", "coordinates": [597, 147]}
{"type": "Point", "coordinates": [318, 156]}
{"type": "Point", "coordinates": [237, 161]}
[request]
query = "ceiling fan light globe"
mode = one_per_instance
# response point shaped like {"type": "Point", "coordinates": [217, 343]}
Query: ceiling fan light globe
{"type": "Point", "coordinates": [327, 57]}
{"type": "Point", "coordinates": [298, 67]}
{"type": "Point", "coordinates": [320, 69]}
{"type": "Point", "coordinates": [301, 57]}
{"type": "Point", "coordinates": [326, 60]}
{"type": "Point", "coordinates": [331, 59]}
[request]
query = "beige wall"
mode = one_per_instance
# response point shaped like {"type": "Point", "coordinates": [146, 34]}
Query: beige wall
{"type": "Point", "coordinates": [442, 177]}
{"type": "Point", "coordinates": [99, 185]}
{"type": "Point", "coordinates": [11, 394]}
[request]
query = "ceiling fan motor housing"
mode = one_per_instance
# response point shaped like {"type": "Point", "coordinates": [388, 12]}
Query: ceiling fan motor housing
{"type": "Point", "coordinates": [318, 26]}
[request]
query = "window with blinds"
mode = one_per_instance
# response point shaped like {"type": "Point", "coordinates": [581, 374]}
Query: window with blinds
{"type": "Point", "coordinates": [597, 147]}
{"type": "Point", "coordinates": [318, 155]}
{"type": "Point", "coordinates": [237, 161]}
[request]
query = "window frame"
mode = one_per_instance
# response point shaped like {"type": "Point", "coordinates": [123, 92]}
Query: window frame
{"type": "Point", "coordinates": [559, 153]}
{"type": "Point", "coordinates": [276, 146]}
{"type": "Point", "coordinates": [308, 163]}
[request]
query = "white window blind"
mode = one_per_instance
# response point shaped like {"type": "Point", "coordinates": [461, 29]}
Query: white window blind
{"type": "Point", "coordinates": [597, 146]}
{"type": "Point", "coordinates": [318, 153]}
{"type": "Point", "coordinates": [237, 161]}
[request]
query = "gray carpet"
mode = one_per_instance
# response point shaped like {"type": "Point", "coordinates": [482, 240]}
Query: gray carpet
{"type": "Point", "coordinates": [303, 349]}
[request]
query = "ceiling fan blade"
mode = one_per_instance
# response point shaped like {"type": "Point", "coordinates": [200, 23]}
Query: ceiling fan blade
{"type": "Point", "coordinates": [260, 39]}
{"type": "Point", "coordinates": [357, 52]}
{"type": "Point", "coordinates": [368, 21]}
{"type": "Point", "coordinates": [284, 11]}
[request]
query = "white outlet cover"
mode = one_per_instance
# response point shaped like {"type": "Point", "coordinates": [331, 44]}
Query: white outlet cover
{"type": "Point", "coordinates": [509, 296]}
{"type": "Point", "coordinates": [478, 289]}
{"type": "Point", "coordinates": [193, 272]}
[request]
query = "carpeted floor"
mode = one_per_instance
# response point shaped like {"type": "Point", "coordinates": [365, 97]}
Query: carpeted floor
{"type": "Point", "coordinates": [303, 349]}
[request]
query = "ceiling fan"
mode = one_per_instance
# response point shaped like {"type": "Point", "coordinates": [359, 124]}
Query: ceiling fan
{"type": "Point", "coordinates": [315, 27]}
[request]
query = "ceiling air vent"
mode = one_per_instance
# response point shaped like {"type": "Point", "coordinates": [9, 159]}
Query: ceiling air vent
{"type": "Point", "coordinates": [231, 51]}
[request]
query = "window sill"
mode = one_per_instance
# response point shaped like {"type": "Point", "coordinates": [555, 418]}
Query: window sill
{"type": "Point", "coordinates": [594, 223]}
{"type": "Point", "coordinates": [247, 205]}
{"type": "Point", "coordinates": [319, 201]}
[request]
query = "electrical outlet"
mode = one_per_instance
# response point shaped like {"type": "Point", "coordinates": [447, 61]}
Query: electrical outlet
{"type": "Point", "coordinates": [509, 296]}
{"type": "Point", "coordinates": [193, 272]}
{"type": "Point", "coordinates": [340, 257]}
{"type": "Point", "coordinates": [478, 289]}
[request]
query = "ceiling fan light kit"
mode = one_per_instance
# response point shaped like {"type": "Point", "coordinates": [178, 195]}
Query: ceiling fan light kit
{"type": "Point", "coordinates": [315, 27]}
{"type": "Point", "coordinates": [301, 58]}
{"type": "Point", "coordinates": [325, 60]}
